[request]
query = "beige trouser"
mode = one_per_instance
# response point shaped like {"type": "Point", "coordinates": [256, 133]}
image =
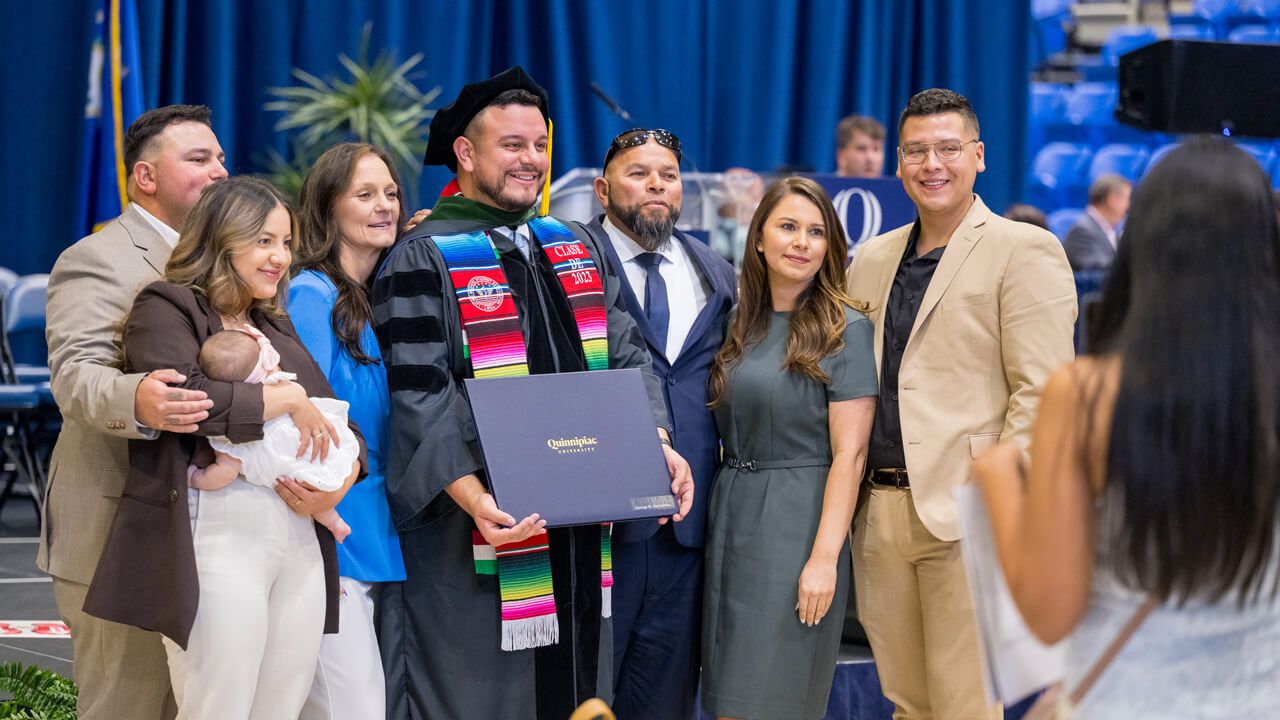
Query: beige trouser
{"type": "Point", "coordinates": [913, 601]}
{"type": "Point", "coordinates": [120, 669]}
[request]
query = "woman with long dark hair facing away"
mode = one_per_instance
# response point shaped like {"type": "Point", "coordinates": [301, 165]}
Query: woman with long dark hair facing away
{"type": "Point", "coordinates": [1152, 486]}
{"type": "Point", "coordinates": [351, 212]}
{"type": "Point", "coordinates": [239, 579]}
{"type": "Point", "coordinates": [793, 390]}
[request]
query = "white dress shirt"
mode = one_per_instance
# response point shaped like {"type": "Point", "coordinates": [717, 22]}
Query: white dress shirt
{"type": "Point", "coordinates": [167, 233]}
{"type": "Point", "coordinates": [687, 290]}
{"type": "Point", "coordinates": [519, 237]}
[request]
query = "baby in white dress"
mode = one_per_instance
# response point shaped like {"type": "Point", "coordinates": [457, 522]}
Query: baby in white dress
{"type": "Point", "coordinates": [246, 355]}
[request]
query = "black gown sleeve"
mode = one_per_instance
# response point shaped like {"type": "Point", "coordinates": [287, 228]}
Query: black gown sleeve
{"type": "Point", "coordinates": [432, 437]}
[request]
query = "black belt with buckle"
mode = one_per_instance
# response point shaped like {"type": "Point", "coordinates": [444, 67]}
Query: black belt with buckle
{"type": "Point", "coordinates": [893, 477]}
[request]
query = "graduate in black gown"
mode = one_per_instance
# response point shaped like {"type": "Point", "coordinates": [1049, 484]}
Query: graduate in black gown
{"type": "Point", "coordinates": [495, 137]}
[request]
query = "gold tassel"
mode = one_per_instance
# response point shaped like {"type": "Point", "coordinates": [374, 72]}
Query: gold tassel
{"type": "Point", "coordinates": [546, 184]}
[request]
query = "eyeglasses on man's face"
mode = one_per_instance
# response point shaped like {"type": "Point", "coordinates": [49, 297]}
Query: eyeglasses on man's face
{"type": "Point", "coordinates": [946, 150]}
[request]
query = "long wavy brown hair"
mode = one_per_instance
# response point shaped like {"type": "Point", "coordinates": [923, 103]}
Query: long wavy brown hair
{"type": "Point", "coordinates": [224, 223]}
{"type": "Point", "coordinates": [817, 321]}
{"type": "Point", "coordinates": [321, 246]}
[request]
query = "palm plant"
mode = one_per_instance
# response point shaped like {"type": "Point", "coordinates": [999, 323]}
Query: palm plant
{"type": "Point", "coordinates": [379, 105]}
{"type": "Point", "coordinates": [36, 694]}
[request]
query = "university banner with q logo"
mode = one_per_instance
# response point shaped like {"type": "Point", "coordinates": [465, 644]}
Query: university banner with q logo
{"type": "Point", "coordinates": [868, 207]}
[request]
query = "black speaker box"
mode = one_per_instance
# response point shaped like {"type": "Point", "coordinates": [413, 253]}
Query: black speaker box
{"type": "Point", "coordinates": [1194, 86]}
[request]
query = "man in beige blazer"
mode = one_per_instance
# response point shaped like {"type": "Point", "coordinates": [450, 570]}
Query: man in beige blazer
{"type": "Point", "coordinates": [972, 313]}
{"type": "Point", "coordinates": [171, 154]}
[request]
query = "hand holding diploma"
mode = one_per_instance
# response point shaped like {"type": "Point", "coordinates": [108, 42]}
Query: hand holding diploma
{"type": "Point", "coordinates": [497, 527]}
{"type": "Point", "coordinates": [681, 478]}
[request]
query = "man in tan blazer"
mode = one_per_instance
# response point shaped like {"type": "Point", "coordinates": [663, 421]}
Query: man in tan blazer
{"type": "Point", "coordinates": [972, 313]}
{"type": "Point", "coordinates": [171, 154]}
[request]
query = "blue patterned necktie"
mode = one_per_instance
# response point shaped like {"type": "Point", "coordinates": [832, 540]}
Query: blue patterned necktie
{"type": "Point", "coordinates": [521, 242]}
{"type": "Point", "coordinates": [655, 296]}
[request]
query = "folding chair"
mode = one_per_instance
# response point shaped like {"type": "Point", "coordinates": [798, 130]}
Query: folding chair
{"type": "Point", "coordinates": [27, 408]}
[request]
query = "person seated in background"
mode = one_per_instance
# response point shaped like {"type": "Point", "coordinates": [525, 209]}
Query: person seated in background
{"type": "Point", "coordinates": [237, 355]}
{"type": "Point", "coordinates": [1091, 242]}
{"type": "Point", "coordinates": [859, 147]}
{"type": "Point", "coordinates": [1028, 214]}
{"type": "Point", "coordinates": [1151, 493]}
{"type": "Point", "coordinates": [743, 190]}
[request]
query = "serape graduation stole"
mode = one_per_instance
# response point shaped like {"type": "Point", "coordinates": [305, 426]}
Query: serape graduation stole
{"type": "Point", "coordinates": [494, 345]}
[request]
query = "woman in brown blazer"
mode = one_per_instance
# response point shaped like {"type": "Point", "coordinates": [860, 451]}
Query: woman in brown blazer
{"type": "Point", "coordinates": [240, 580]}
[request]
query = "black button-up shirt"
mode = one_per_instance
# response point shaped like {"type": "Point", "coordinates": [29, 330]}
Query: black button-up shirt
{"type": "Point", "coordinates": [909, 284]}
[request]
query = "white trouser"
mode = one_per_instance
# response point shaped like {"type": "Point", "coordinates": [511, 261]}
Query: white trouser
{"type": "Point", "coordinates": [253, 647]}
{"type": "Point", "coordinates": [349, 684]}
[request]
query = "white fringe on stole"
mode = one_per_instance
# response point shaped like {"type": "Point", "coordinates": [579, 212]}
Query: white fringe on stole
{"type": "Point", "coordinates": [531, 632]}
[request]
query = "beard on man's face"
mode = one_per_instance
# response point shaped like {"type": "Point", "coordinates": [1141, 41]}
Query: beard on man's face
{"type": "Point", "coordinates": [651, 228]}
{"type": "Point", "coordinates": [497, 191]}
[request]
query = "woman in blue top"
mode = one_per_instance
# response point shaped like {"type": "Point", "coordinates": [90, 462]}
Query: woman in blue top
{"type": "Point", "coordinates": [351, 211]}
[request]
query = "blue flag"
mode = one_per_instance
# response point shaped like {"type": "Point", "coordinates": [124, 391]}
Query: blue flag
{"type": "Point", "coordinates": [113, 102]}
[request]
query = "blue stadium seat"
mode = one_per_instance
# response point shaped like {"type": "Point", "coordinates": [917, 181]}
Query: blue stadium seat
{"type": "Point", "coordinates": [8, 279]}
{"type": "Point", "coordinates": [1057, 177]}
{"type": "Point", "coordinates": [1221, 14]}
{"type": "Point", "coordinates": [1048, 102]}
{"type": "Point", "coordinates": [1256, 34]}
{"type": "Point", "coordinates": [1263, 152]}
{"type": "Point", "coordinates": [1049, 18]}
{"type": "Point", "coordinates": [1192, 31]}
{"type": "Point", "coordinates": [1050, 8]}
{"type": "Point", "coordinates": [1268, 10]}
{"type": "Point", "coordinates": [1092, 104]}
{"type": "Point", "coordinates": [1125, 159]}
{"type": "Point", "coordinates": [1091, 112]}
{"type": "Point", "coordinates": [1046, 108]}
{"type": "Point", "coordinates": [1157, 156]}
{"type": "Point", "coordinates": [1215, 11]}
{"type": "Point", "coordinates": [1060, 221]}
{"type": "Point", "coordinates": [1125, 38]}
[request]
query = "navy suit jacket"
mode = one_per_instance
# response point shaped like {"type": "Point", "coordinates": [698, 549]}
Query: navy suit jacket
{"type": "Point", "coordinates": [1087, 245]}
{"type": "Point", "coordinates": [684, 383]}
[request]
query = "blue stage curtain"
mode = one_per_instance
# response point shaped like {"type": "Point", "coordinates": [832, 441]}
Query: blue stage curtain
{"type": "Point", "coordinates": [750, 83]}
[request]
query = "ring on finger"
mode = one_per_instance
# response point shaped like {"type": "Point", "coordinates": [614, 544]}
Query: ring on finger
{"type": "Point", "coordinates": [319, 434]}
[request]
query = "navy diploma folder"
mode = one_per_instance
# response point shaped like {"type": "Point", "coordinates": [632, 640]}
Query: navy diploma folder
{"type": "Point", "coordinates": [576, 448]}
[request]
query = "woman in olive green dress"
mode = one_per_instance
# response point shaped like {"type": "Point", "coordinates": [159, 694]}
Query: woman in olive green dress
{"type": "Point", "coordinates": [793, 391]}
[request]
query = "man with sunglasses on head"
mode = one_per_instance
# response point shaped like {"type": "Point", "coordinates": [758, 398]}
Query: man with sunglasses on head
{"type": "Point", "coordinates": [972, 313]}
{"type": "Point", "coordinates": [679, 291]}
{"type": "Point", "coordinates": [494, 626]}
